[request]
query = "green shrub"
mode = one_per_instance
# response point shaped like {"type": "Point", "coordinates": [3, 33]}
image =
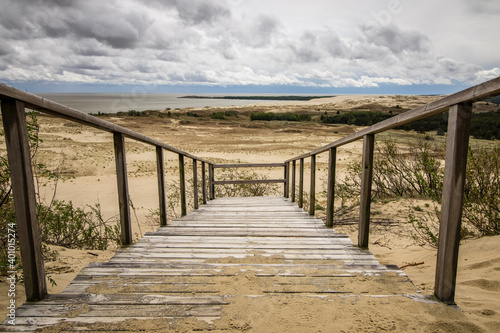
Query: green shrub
{"type": "Point", "coordinates": [270, 116]}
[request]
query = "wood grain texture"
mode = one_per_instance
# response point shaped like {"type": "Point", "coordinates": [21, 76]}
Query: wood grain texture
{"type": "Point", "coordinates": [23, 190]}
{"type": "Point", "coordinates": [123, 192]}
{"type": "Point", "coordinates": [185, 269]}
{"type": "Point", "coordinates": [366, 190]}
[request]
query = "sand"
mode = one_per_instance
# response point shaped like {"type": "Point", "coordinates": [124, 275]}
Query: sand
{"type": "Point", "coordinates": [85, 158]}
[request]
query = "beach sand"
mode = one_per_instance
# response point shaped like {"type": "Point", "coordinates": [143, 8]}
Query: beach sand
{"type": "Point", "coordinates": [86, 160]}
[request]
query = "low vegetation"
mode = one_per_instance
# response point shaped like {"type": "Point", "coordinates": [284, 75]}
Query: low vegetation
{"type": "Point", "coordinates": [61, 223]}
{"type": "Point", "coordinates": [416, 172]}
{"type": "Point", "coordinates": [269, 116]}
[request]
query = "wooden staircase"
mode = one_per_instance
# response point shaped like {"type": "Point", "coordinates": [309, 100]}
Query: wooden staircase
{"type": "Point", "coordinates": [202, 262]}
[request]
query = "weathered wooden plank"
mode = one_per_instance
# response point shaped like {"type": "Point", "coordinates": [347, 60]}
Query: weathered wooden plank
{"type": "Point", "coordinates": [330, 200]}
{"type": "Point", "coordinates": [204, 182]}
{"type": "Point", "coordinates": [160, 167]}
{"type": "Point", "coordinates": [211, 179]}
{"type": "Point", "coordinates": [249, 165]}
{"type": "Point", "coordinates": [312, 190]}
{"type": "Point", "coordinates": [286, 177]}
{"type": "Point", "coordinates": [366, 191]}
{"type": "Point", "coordinates": [23, 187]}
{"type": "Point", "coordinates": [294, 173]}
{"type": "Point", "coordinates": [195, 184]}
{"type": "Point", "coordinates": [123, 193]}
{"type": "Point", "coordinates": [457, 144]}
{"type": "Point", "coordinates": [248, 181]}
{"type": "Point", "coordinates": [301, 184]}
{"type": "Point", "coordinates": [182, 185]}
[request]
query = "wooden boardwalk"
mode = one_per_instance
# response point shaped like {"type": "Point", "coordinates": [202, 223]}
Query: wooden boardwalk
{"type": "Point", "coordinates": [195, 266]}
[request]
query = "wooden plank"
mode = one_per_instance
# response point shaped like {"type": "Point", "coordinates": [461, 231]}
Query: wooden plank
{"type": "Point", "coordinates": [182, 184]}
{"type": "Point", "coordinates": [248, 181]}
{"type": "Point", "coordinates": [294, 173]}
{"type": "Point", "coordinates": [473, 94]}
{"type": "Point", "coordinates": [312, 190]}
{"type": "Point", "coordinates": [366, 191]}
{"type": "Point", "coordinates": [330, 200]}
{"type": "Point", "coordinates": [286, 170]}
{"type": "Point", "coordinates": [249, 165]}
{"type": "Point", "coordinates": [23, 190]}
{"type": "Point", "coordinates": [123, 193]}
{"type": "Point", "coordinates": [301, 184]}
{"type": "Point", "coordinates": [195, 184]}
{"type": "Point", "coordinates": [211, 178]}
{"type": "Point", "coordinates": [160, 167]}
{"type": "Point", "coordinates": [204, 182]}
{"type": "Point", "coordinates": [457, 144]}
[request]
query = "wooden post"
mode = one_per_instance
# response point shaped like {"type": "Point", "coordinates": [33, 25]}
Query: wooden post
{"type": "Point", "coordinates": [286, 186]}
{"type": "Point", "coordinates": [23, 190]}
{"type": "Point", "coordinates": [301, 183]}
{"type": "Point", "coordinates": [211, 179]}
{"type": "Point", "coordinates": [457, 144]}
{"type": "Point", "coordinates": [312, 193]}
{"type": "Point", "coordinates": [160, 167]}
{"type": "Point", "coordinates": [294, 171]}
{"type": "Point", "coordinates": [331, 187]}
{"type": "Point", "coordinates": [195, 183]}
{"type": "Point", "coordinates": [204, 183]}
{"type": "Point", "coordinates": [123, 194]}
{"type": "Point", "coordinates": [366, 190]}
{"type": "Point", "coordinates": [182, 179]}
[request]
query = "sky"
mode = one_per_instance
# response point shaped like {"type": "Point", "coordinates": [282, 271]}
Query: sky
{"type": "Point", "coordinates": [266, 46]}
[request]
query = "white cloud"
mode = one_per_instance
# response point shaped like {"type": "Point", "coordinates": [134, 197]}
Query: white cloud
{"type": "Point", "coordinates": [207, 42]}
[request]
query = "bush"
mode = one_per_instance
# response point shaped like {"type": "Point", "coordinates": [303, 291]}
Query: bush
{"type": "Point", "coordinates": [269, 116]}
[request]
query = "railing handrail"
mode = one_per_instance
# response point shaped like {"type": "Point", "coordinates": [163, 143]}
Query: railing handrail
{"type": "Point", "coordinates": [477, 93]}
{"type": "Point", "coordinates": [44, 105]}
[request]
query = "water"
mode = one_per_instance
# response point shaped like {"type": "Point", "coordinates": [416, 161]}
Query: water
{"type": "Point", "coordinates": [112, 103]}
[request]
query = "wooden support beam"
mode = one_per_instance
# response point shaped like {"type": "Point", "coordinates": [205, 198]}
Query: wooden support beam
{"type": "Point", "coordinates": [250, 165]}
{"type": "Point", "coordinates": [294, 171]}
{"type": "Point", "coordinates": [301, 184]}
{"type": "Point", "coordinates": [160, 167]}
{"type": "Point", "coordinates": [211, 178]}
{"type": "Point", "coordinates": [366, 190]}
{"type": "Point", "coordinates": [331, 187]}
{"type": "Point", "coordinates": [286, 185]}
{"type": "Point", "coordinates": [195, 183]}
{"type": "Point", "coordinates": [248, 181]}
{"type": "Point", "coordinates": [23, 190]}
{"type": "Point", "coordinates": [204, 182]}
{"type": "Point", "coordinates": [182, 179]}
{"type": "Point", "coordinates": [123, 193]}
{"type": "Point", "coordinates": [457, 144]}
{"type": "Point", "coordinates": [312, 193]}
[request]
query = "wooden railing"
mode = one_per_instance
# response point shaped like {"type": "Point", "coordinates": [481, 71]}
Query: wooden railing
{"type": "Point", "coordinates": [459, 106]}
{"type": "Point", "coordinates": [14, 103]}
{"type": "Point", "coordinates": [213, 182]}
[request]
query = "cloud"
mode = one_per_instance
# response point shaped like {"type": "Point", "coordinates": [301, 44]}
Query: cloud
{"type": "Point", "coordinates": [226, 42]}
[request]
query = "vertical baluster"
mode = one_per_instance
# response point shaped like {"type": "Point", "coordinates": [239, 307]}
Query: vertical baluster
{"type": "Point", "coordinates": [211, 181]}
{"type": "Point", "coordinates": [457, 144]}
{"type": "Point", "coordinates": [204, 183]}
{"type": "Point", "coordinates": [23, 190]}
{"type": "Point", "coordinates": [312, 193]}
{"type": "Point", "coordinates": [160, 167]}
{"type": "Point", "coordinates": [301, 183]}
{"type": "Point", "coordinates": [366, 190]}
{"type": "Point", "coordinates": [195, 183]}
{"type": "Point", "coordinates": [286, 189]}
{"type": "Point", "coordinates": [331, 187]}
{"type": "Point", "coordinates": [294, 167]}
{"type": "Point", "coordinates": [123, 193]}
{"type": "Point", "coordinates": [182, 178]}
